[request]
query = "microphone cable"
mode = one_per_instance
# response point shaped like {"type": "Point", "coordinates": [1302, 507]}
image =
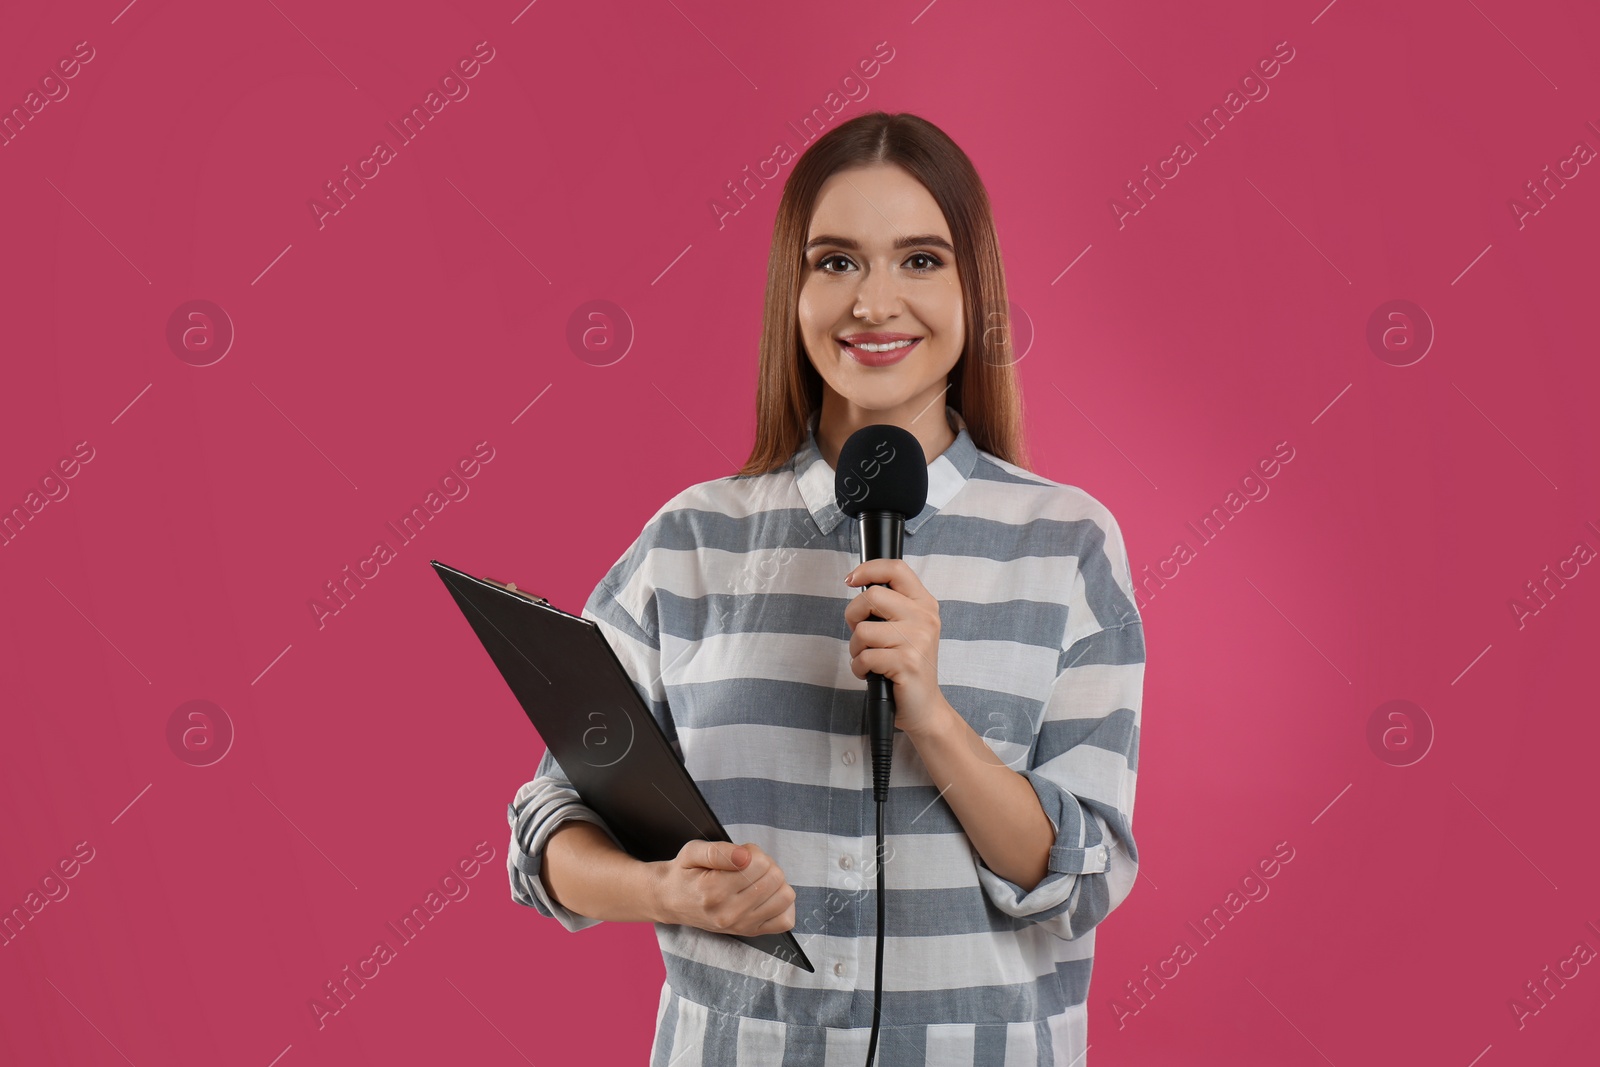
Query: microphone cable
{"type": "Point", "coordinates": [880, 713]}
{"type": "Point", "coordinates": [877, 986]}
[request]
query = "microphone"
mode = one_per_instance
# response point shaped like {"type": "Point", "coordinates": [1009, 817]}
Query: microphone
{"type": "Point", "coordinates": [881, 481]}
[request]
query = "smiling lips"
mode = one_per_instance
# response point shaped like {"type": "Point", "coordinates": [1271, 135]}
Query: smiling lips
{"type": "Point", "coordinates": [878, 349]}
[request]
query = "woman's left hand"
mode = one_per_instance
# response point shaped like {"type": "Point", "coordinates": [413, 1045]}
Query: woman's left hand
{"type": "Point", "coordinates": [902, 644]}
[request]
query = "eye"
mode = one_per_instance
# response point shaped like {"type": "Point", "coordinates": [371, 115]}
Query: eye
{"type": "Point", "coordinates": [934, 262]}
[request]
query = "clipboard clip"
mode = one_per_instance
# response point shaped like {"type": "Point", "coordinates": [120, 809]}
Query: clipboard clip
{"type": "Point", "coordinates": [511, 587]}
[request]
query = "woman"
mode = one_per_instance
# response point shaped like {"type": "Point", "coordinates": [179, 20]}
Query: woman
{"type": "Point", "coordinates": [1008, 630]}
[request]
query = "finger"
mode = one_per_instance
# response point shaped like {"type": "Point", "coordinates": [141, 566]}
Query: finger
{"type": "Point", "coordinates": [776, 914]}
{"type": "Point", "coordinates": [912, 632]}
{"type": "Point", "coordinates": [760, 891]}
{"type": "Point", "coordinates": [883, 601]}
{"type": "Point", "coordinates": [779, 906]}
{"type": "Point", "coordinates": [758, 900]}
{"type": "Point", "coordinates": [718, 855]}
{"type": "Point", "coordinates": [884, 661]}
{"type": "Point", "coordinates": [881, 569]}
{"type": "Point", "coordinates": [760, 863]}
{"type": "Point", "coordinates": [875, 634]}
{"type": "Point", "coordinates": [895, 573]}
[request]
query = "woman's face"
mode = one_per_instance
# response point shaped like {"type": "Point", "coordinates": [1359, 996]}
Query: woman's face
{"type": "Point", "coordinates": [880, 267]}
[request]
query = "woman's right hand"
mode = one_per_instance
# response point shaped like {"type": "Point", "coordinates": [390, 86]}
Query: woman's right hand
{"type": "Point", "coordinates": [725, 888]}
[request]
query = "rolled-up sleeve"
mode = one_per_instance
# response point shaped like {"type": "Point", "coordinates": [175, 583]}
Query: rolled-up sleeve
{"type": "Point", "coordinates": [623, 606]}
{"type": "Point", "coordinates": [540, 807]}
{"type": "Point", "coordinates": [1084, 762]}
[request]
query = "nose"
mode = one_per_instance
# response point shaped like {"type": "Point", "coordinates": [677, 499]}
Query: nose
{"type": "Point", "coordinates": [877, 296]}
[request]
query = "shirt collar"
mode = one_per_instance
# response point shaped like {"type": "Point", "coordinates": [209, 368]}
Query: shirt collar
{"type": "Point", "coordinates": [946, 475]}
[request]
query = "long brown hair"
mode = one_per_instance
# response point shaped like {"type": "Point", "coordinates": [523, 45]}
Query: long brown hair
{"type": "Point", "coordinates": [983, 382]}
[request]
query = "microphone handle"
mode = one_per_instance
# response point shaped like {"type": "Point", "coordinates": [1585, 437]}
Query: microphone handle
{"type": "Point", "coordinates": [882, 537]}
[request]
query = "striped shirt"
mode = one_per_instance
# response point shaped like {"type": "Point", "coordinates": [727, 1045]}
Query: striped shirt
{"type": "Point", "coordinates": [728, 613]}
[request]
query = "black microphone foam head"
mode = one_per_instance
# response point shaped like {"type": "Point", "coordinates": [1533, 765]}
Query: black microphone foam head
{"type": "Point", "coordinates": [881, 468]}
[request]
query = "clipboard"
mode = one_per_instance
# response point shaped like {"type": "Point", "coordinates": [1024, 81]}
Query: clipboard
{"type": "Point", "coordinates": [585, 706]}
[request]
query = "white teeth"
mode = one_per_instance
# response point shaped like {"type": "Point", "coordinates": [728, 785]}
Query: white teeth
{"type": "Point", "coordinates": [867, 347]}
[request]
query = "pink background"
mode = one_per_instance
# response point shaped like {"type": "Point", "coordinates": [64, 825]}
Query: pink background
{"type": "Point", "coordinates": [373, 752]}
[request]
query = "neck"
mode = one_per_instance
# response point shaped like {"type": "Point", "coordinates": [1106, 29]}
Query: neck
{"type": "Point", "coordinates": [923, 417]}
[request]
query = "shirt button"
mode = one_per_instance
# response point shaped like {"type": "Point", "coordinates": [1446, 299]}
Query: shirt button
{"type": "Point", "coordinates": [848, 757]}
{"type": "Point", "coordinates": [838, 968]}
{"type": "Point", "coordinates": [844, 861]}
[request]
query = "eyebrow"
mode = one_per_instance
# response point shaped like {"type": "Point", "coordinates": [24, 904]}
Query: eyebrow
{"type": "Point", "coordinates": [931, 239]}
